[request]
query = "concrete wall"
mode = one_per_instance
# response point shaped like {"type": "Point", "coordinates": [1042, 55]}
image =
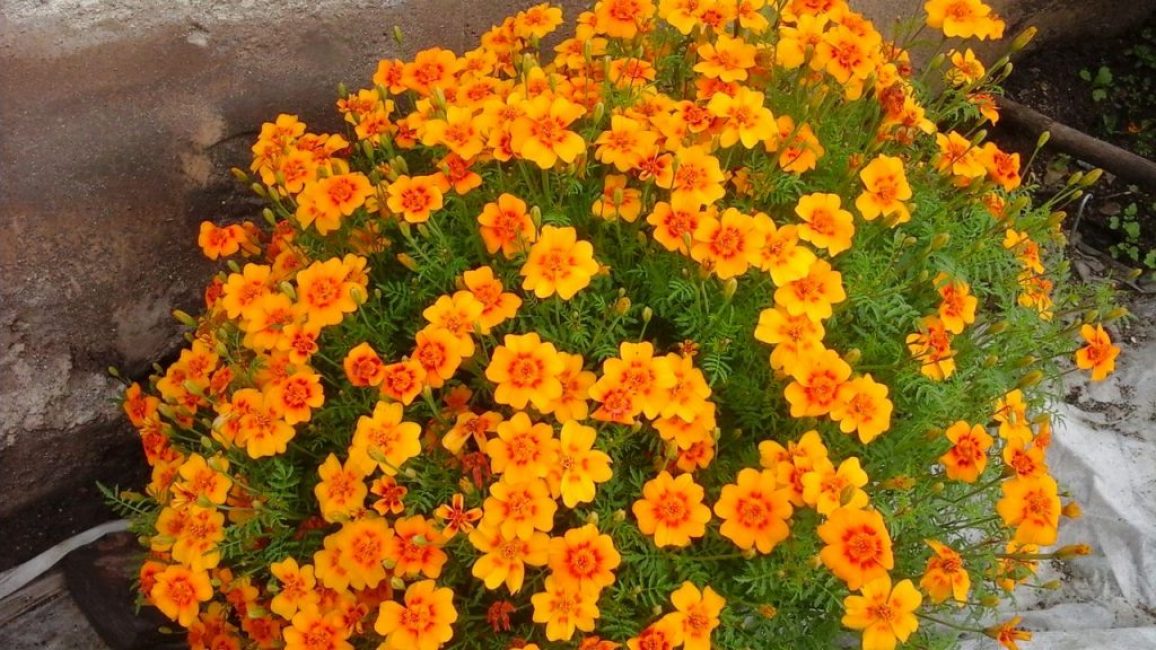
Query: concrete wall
{"type": "Point", "coordinates": [118, 122]}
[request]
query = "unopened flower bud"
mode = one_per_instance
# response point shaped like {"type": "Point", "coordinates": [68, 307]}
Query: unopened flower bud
{"type": "Point", "coordinates": [239, 174]}
{"type": "Point", "coordinates": [1023, 38]}
{"type": "Point", "coordinates": [398, 36]}
{"type": "Point", "coordinates": [286, 288]}
{"type": "Point", "coordinates": [647, 314]}
{"type": "Point", "coordinates": [1052, 585]}
{"type": "Point", "coordinates": [423, 231]}
{"type": "Point", "coordinates": [1025, 361]}
{"type": "Point", "coordinates": [1031, 379]}
{"type": "Point", "coordinates": [113, 371]}
{"type": "Point", "coordinates": [1072, 510]}
{"type": "Point", "coordinates": [259, 190]}
{"type": "Point", "coordinates": [269, 217]}
{"type": "Point", "coordinates": [940, 240]}
{"type": "Point", "coordinates": [358, 296]}
{"type": "Point", "coordinates": [989, 601]}
{"type": "Point", "coordinates": [934, 433]}
{"type": "Point", "coordinates": [184, 318]}
{"type": "Point", "coordinates": [1091, 177]}
{"type": "Point", "coordinates": [620, 515]}
{"type": "Point", "coordinates": [622, 305]}
{"type": "Point", "coordinates": [599, 112]}
{"type": "Point", "coordinates": [407, 261]}
{"type": "Point", "coordinates": [909, 241]}
{"type": "Point", "coordinates": [233, 266]}
{"type": "Point", "coordinates": [853, 356]}
{"type": "Point", "coordinates": [768, 611]}
{"type": "Point", "coordinates": [1073, 550]}
{"type": "Point", "coordinates": [749, 553]}
{"type": "Point", "coordinates": [656, 610]}
{"type": "Point", "coordinates": [937, 487]}
{"type": "Point", "coordinates": [730, 287]}
{"type": "Point", "coordinates": [396, 583]}
{"type": "Point", "coordinates": [1043, 139]}
{"type": "Point", "coordinates": [1116, 314]}
{"type": "Point", "coordinates": [990, 360]}
{"type": "Point", "coordinates": [536, 216]}
{"type": "Point", "coordinates": [592, 518]}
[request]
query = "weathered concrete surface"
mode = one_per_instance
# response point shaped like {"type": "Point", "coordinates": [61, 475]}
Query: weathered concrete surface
{"type": "Point", "coordinates": [118, 123]}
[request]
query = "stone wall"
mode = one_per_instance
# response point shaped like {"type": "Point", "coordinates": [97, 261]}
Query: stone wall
{"type": "Point", "coordinates": [118, 124]}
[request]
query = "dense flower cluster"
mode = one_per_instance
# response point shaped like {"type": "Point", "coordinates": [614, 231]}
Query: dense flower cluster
{"type": "Point", "coordinates": [495, 375]}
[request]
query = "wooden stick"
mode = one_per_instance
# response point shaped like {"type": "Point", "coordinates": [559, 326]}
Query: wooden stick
{"type": "Point", "coordinates": [1112, 159]}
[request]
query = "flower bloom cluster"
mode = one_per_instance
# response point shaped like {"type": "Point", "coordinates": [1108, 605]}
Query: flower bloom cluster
{"type": "Point", "coordinates": [495, 374]}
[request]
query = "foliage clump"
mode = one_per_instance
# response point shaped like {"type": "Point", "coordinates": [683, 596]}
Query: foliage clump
{"type": "Point", "coordinates": [720, 328]}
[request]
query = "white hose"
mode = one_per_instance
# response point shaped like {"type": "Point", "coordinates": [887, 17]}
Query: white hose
{"type": "Point", "coordinates": [16, 578]}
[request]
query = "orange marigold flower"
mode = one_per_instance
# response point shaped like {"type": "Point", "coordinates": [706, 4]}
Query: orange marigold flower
{"type": "Point", "coordinates": [218, 242]}
{"type": "Point", "coordinates": [931, 347]}
{"type": "Point", "coordinates": [414, 198]}
{"type": "Point", "coordinates": [430, 69]}
{"type": "Point", "coordinates": [663, 634]}
{"type": "Point", "coordinates": [800, 147]}
{"type": "Point", "coordinates": [617, 201]}
{"type": "Point", "coordinates": [297, 395]}
{"type": "Point", "coordinates": [726, 245]}
{"type": "Point", "coordinates": [647, 379]}
{"type": "Point", "coordinates": [324, 293]}
{"type": "Point", "coordinates": [624, 144]}
{"type": "Point", "coordinates": [526, 370]}
{"type": "Point", "coordinates": [945, 576]}
{"type": "Point", "coordinates": [296, 588]}
{"type": "Point", "coordinates": [697, 176]}
{"type": "Point", "coordinates": [459, 315]}
{"type": "Point", "coordinates": [201, 479]}
{"type": "Point", "coordinates": [312, 629]}
{"type": "Point", "coordinates": [363, 367]}
{"type": "Point", "coordinates": [518, 509]}
{"type": "Point", "coordinates": [383, 440]}
{"type": "Point", "coordinates": [884, 190]}
{"type": "Point", "coordinates": [390, 496]}
{"type": "Point", "coordinates": [675, 223]}
{"type": "Point", "coordinates": [440, 353]}
{"type": "Point", "coordinates": [425, 622]}
{"type": "Point", "coordinates": [402, 381]}
{"type": "Point", "coordinates": [794, 337]}
{"type": "Point", "coordinates": [814, 293]}
{"type": "Point", "coordinates": [458, 132]}
{"type": "Point", "coordinates": [1099, 355]}
{"type": "Point", "coordinates": [497, 307]}
{"type": "Point", "coordinates": [565, 607]}
{"type": "Point", "coordinates": [862, 406]}
{"type": "Point", "coordinates": [358, 550]}
{"type": "Point", "coordinates": [745, 118]}
{"type": "Point", "coordinates": [727, 59]}
{"type": "Point", "coordinates": [967, 458]}
{"type": "Point", "coordinates": [1032, 505]}
{"type": "Point", "coordinates": [696, 613]}
{"type": "Point", "coordinates": [827, 488]}
{"type": "Point", "coordinates": [242, 290]}
{"type": "Point", "coordinates": [178, 592]}
{"type": "Point", "coordinates": [754, 510]}
{"type": "Point", "coordinates": [523, 450]}
{"type": "Point", "coordinates": [504, 558]}
{"type": "Point", "coordinates": [542, 135]}
{"type": "Point", "coordinates": [958, 307]}
{"type": "Point", "coordinates": [672, 510]}
{"type": "Point", "coordinates": [1025, 460]}
{"type": "Point", "coordinates": [622, 18]}
{"type": "Point", "coordinates": [456, 517]}
{"type": "Point", "coordinates": [585, 557]}
{"type": "Point", "coordinates": [825, 225]}
{"type": "Point", "coordinates": [817, 381]}
{"type": "Point", "coordinates": [1002, 167]}
{"type": "Point", "coordinates": [505, 225]}
{"type": "Point", "coordinates": [858, 548]}
{"type": "Point", "coordinates": [963, 19]}
{"type": "Point", "coordinates": [559, 263]}
{"type": "Point", "coordinates": [884, 614]}
{"type": "Point", "coordinates": [415, 548]}
{"type": "Point", "coordinates": [1008, 633]}
{"type": "Point", "coordinates": [576, 383]}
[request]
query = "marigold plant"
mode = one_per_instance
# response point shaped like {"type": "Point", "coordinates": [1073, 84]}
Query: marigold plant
{"type": "Point", "coordinates": [702, 323]}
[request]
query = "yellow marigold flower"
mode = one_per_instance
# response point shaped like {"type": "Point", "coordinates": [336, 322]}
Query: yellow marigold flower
{"type": "Point", "coordinates": [580, 466]}
{"type": "Point", "coordinates": [944, 575]}
{"type": "Point", "coordinates": [647, 378]}
{"type": "Point", "coordinates": [360, 548]}
{"type": "Point", "coordinates": [745, 118]}
{"type": "Point", "coordinates": [470, 425]}
{"type": "Point", "coordinates": [497, 306]}
{"type": "Point", "coordinates": [794, 337]}
{"type": "Point", "coordinates": [696, 613]}
{"type": "Point", "coordinates": [541, 134]}
{"type": "Point", "coordinates": [622, 18]}
{"type": "Point", "coordinates": [727, 59]}
{"type": "Point", "coordinates": [846, 55]}
{"type": "Point", "coordinates": [885, 615]}
{"type": "Point", "coordinates": [675, 223]}
{"type": "Point", "coordinates": [312, 629]}
{"type": "Point", "coordinates": [799, 149]}
{"type": "Point", "coordinates": [537, 21]}
{"type": "Point", "coordinates": [559, 263]}
{"type": "Point", "coordinates": [503, 558]}
{"type": "Point", "coordinates": [814, 293]}
{"type": "Point", "coordinates": [963, 19]}
{"type": "Point", "coordinates": [526, 371]}
{"type": "Point", "coordinates": [523, 450]}
{"type": "Point", "coordinates": [178, 592]}
{"type": "Point", "coordinates": [726, 245]}
{"type": "Point", "coordinates": [295, 590]}
{"type": "Point", "coordinates": [324, 293]}
{"type": "Point", "coordinates": [424, 622]}
{"type": "Point", "coordinates": [966, 68]}
{"type": "Point", "coordinates": [459, 315]}
{"type": "Point", "coordinates": [690, 392]}
{"type": "Point", "coordinates": [1099, 355]}
{"type": "Point", "coordinates": [505, 225]}
{"type": "Point", "coordinates": [402, 381]}
{"type": "Point", "coordinates": [414, 198]}
{"type": "Point", "coordinates": [858, 548]}
{"type": "Point", "coordinates": [415, 548]}
{"type": "Point", "coordinates": [1032, 506]}
{"type": "Point", "coordinates": [341, 491]}
{"type": "Point", "coordinates": [518, 509]}
{"type": "Point", "coordinates": [826, 488]}
{"type": "Point", "coordinates": [862, 406]}
{"type": "Point", "coordinates": [754, 510]}
{"type": "Point", "coordinates": [363, 367]}
{"type": "Point", "coordinates": [672, 510]}
{"type": "Point", "coordinates": [931, 347]}
{"type": "Point", "coordinates": [565, 607]}
{"type": "Point", "coordinates": [683, 15]}
{"type": "Point", "coordinates": [697, 176]}
{"type": "Point", "coordinates": [242, 290]}
{"type": "Point", "coordinates": [958, 307]}
{"type": "Point", "coordinates": [201, 479]}
{"type": "Point", "coordinates": [825, 225]}
{"type": "Point", "coordinates": [884, 190]}
{"type": "Point", "coordinates": [196, 544]}
{"type": "Point", "coordinates": [624, 144]}
{"type": "Point", "coordinates": [576, 383]}
{"type": "Point", "coordinates": [383, 440]}
{"type": "Point", "coordinates": [617, 201]}
{"type": "Point", "coordinates": [1027, 461]}
{"type": "Point", "coordinates": [262, 430]}
{"type": "Point", "coordinates": [584, 557]}
{"type": "Point", "coordinates": [458, 132]}
{"type": "Point", "coordinates": [967, 458]}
